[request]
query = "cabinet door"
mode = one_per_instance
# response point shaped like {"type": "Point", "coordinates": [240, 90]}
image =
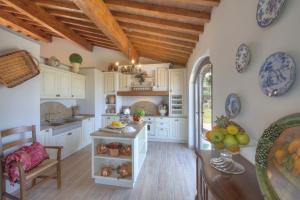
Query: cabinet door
{"type": "Point", "coordinates": [177, 81]}
{"type": "Point", "coordinates": [162, 132]}
{"type": "Point", "coordinates": [60, 140]}
{"type": "Point", "coordinates": [177, 129]}
{"type": "Point", "coordinates": [78, 86]}
{"type": "Point", "coordinates": [64, 84]}
{"type": "Point", "coordinates": [162, 79]}
{"type": "Point", "coordinates": [109, 83]}
{"type": "Point", "coordinates": [73, 140]}
{"type": "Point", "coordinates": [88, 127]}
{"type": "Point", "coordinates": [49, 82]}
{"type": "Point", "coordinates": [124, 82]}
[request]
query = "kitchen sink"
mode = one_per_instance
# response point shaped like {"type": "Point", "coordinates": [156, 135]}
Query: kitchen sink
{"type": "Point", "coordinates": [57, 124]}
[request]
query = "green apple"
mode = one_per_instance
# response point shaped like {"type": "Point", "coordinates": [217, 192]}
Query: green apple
{"type": "Point", "coordinates": [243, 138]}
{"type": "Point", "coordinates": [217, 136]}
{"type": "Point", "coordinates": [230, 141]}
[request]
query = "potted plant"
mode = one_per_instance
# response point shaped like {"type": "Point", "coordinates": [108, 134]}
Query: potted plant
{"type": "Point", "coordinates": [76, 60]}
{"type": "Point", "coordinates": [138, 116]}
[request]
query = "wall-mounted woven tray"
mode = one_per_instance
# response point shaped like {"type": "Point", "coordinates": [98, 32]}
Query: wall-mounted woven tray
{"type": "Point", "coordinates": [16, 68]}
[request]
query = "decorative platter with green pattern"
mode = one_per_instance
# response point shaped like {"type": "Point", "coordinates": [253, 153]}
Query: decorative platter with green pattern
{"type": "Point", "coordinates": [278, 159]}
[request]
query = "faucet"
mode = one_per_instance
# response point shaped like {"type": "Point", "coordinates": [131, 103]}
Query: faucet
{"type": "Point", "coordinates": [50, 115]}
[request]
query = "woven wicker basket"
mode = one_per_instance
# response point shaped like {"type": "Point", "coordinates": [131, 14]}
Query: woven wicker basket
{"type": "Point", "coordinates": [16, 68]}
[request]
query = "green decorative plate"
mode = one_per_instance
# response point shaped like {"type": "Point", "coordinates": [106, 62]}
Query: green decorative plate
{"type": "Point", "coordinates": [278, 159]}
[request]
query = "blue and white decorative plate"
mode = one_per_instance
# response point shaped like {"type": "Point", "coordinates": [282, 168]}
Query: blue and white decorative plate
{"type": "Point", "coordinates": [242, 58]}
{"type": "Point", "coordinates": [232, 105]}
{"type": "Point", "coordinates": [277, 74]}
{"type": "Point", "coordinates": [268, 11]}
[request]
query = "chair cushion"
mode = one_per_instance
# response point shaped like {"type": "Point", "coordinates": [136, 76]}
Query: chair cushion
{"type": "Point", "coordinates": [29, 156]}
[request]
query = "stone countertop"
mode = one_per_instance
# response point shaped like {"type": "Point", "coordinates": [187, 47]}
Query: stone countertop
{"type": "Point", "coordinates": [133, 135]}
{"type": "Point", "coordinates": [67, 125]}
{"type": "Point", "coordinates": [116, 114]}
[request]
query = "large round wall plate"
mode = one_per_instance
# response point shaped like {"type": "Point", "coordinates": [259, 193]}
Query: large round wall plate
{"type": "Point", "coordinates": [232, 105]}
{"type": "Point", "coordinates": [242, 58]}
{"type": "Point", "coordinates": [277, 74]}
{"type": "Point", "coordinates": [268, 11]}
{"type": "Point", "coordinates": [276, 160]}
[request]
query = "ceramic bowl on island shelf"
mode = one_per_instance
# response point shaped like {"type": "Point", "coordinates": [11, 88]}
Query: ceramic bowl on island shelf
{"type": "Point", "coordinates": [228, 138]}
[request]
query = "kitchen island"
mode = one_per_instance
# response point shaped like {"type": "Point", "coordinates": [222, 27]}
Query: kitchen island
{"type": "Point", "coordinates": [138, 142]}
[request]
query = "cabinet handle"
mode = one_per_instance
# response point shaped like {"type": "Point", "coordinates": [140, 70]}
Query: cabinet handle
{"type": "Point", "coordinates": [176, 120]}
{"type": "Point", "coordinates": [72, 95]}
{"type": "Point", "coordinates": [161, 129]}
{"type": "Point", "coordinates": [161, 123]}
{"type": "Point", "coordinates": [70, 133]}
{"type": "Point", "coordinates": [108, 118]}
{"type": "Point", "coordinates": [47, 131]}
{"type": "Point", "coordinates": [58, 95]}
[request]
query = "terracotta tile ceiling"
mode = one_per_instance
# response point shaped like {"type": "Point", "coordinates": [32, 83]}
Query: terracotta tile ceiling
{"type": "Point", "coordinates": [164, 30]}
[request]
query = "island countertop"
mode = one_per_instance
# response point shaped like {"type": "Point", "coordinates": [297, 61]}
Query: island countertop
{"type": "Point", "coordinates": [138, 128]}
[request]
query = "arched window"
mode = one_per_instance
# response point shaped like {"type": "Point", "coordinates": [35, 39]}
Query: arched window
{"type": "Point", "coordinates": [203, 104]}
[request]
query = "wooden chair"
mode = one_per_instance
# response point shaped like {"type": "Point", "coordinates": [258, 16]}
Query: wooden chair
{"type": "Point", "coordinates": [33, 174]}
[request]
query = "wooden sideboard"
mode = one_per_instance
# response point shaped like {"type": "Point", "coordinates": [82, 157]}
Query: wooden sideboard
{"type": "Point", "coordinates": [215, 185]}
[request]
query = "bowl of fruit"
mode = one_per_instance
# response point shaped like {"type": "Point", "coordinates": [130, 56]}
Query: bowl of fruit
{"type": "Point", "coordinates": [117, 125]}
{"type": "Point", "coordinates": [227, 137]}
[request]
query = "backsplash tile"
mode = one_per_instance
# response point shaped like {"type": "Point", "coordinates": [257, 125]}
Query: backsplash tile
{"type": "Point", "coordinates": [58, 111]}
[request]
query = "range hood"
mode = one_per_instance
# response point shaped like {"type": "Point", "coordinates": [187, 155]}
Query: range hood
{"type": "Point", "coordinates": [143, 93]}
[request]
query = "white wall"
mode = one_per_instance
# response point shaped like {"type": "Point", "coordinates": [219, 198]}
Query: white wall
{"type": "Point", "coordinates": [233, 22]}
{"type": "Point", "coordinates": [19, 105]}
{"type": "Point", "coordinates": [99, 57]}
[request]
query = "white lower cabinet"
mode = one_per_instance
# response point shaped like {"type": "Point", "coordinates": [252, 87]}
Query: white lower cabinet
{"type": "Point", "coordinates": [88, 127]}
{"type": "Point", "coordinates": [178, 130]}
{"type": "Point", "coordinates": [70, 140]}
{"type": "Point", "coordinates": [45, 138]}
{"type": "Point", "coordinates": [165, 129]}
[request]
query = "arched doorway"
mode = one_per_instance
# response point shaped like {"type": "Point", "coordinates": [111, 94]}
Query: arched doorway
{"type": "Point", "coordinates": [202, 103]}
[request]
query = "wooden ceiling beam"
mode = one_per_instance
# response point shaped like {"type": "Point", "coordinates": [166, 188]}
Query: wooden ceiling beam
{"type": "Point", "coordinates": [210, 3]}
{"type": "Point", "coordinates": [78, 23]}
{"type": "Point", "coordinates": [157, 11]}
{"type": "Point", "coordinates": [159, 49]}
{"type": "Point", "coordinates": [69, 15]}
{"type": "Point", "coordinates": [27, 29]}
{"type": "Point", "coordinates": [162, 53]}
{"type": "Point", "coordinates": [164, 46]}
{"type": "Point", "coordinates": [98, 12]}
{"type": "Point", "coordinates": [158, 31]}
{"type": "Point", "coordinates": [39, 15]}
{"type": "Point", "coordinates": [86, 30]}
{"type": "Point", "coordinates": [58, 5]}
{"type": "Point", "coordinates": [159, 23]}
{"type": "Point", "coordinates": [134, 34]}
{"type": "Point", "coordinates": [105, 40]}
{"type": "Point", "coordinates": [105, 45]}
{"type": "Point", "coordinates": [163, 58]}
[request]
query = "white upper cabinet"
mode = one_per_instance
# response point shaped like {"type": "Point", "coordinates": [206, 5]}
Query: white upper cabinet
{"type": "Point", "coordinates": [161, 79]}
{"type": "Point", "coordinates": [124, 82]}
{"type": "Point", "coordinates": [60, 84]}
{"type": "Point", "coordinates": [64, 84]}
{"type": "Point", "coordinates": [48, 82]}
{"type": "Point", "coordinates": [78, 86]}
{"type": "Point", "coordinates": [177, 81]}
{"type": "Point", "coordinates": [110, 82]}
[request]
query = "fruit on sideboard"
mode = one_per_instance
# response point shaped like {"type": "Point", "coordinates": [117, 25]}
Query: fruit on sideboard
{"type": "Point", "coordinates": [217, 136]}
{"type": "Point", "coordinates": [232, 129]}
{"type": "Point", "coordinates": [243, 138]}
{"type": "Point", "coordinates": [227, 135]}
{"type": "Point", "coordinates": [280, 155]}
{"type": "Point", "coordinates": [230, 141]}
